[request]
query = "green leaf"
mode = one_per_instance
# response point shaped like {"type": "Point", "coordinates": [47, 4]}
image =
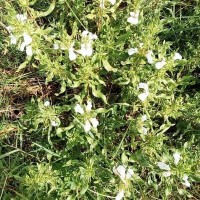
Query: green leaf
{"type": "Point", "coordinates": [43, 14]}
{"type": "Point", "coordinates": [84, 189]}
{"type": "Point", "coordinates": [98, 94]}
{"type": "Point", "coordinates": [22, 66]}
{"type": "Point", "coordinates": [124, 158]}
{"type": "Point", "coordinates": [108, 67]}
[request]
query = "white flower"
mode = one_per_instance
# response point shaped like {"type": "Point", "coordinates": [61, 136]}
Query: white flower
{"type": "Point", "coordinates": [144, 130]}
{"type": "Point", "coordinates": [149, 57]}
{"type": "Point", "coordinates": [177, 157]}
{"type": "Point", "coordinates": [26, 43]}
{"type": "Point", "coordinates": [144, 118]}
{"type": "Point", "coordinates": [177, 56]}
{"type": "Point", "coordinates": [79, 109]}
{"type": "Point", "coordinates": [112, 2]}
{"type": "Point", "coordinates": [133, 19]}
{"type": "Point", "coordinates": [56, 46]}
{"type": "Point", "coordinates": [143, 96]}
{"type": "Point", "coordinates": [92, 36]}
{"type": "Point", "coordinates": [29, 51]}
{"type": "Point", "coordinates": [46, 103]}
{"type": "Point", "coordinates": [144, 86]}
{"type": "Point", "coordinates": [72, 55]}
{"type": "Point", "coordinates": [22, 46]}
{"type": "Point", "coordinates": [186, 183]}
{"type": "Point", "coordinates": [132, 51]}
{"type": "Point", "coordinates": [86, 46]}
{"type": "Point", "coordinates": [9, 28]}
{"type": "Point", "coordinates": [54, 123]}
{"type": "Point", "coordinates": [87, 126]}
{"type": "Point", "coordinates": [121, 172]}
{"type": "Point", "coordinates": [89, 106]}
{"type": "Point", "coordinates": [13, 39]}
{"type": "Point", "coordinates": [185, 177]}
{"type": "Point", "coordinates": [120, 195]}
{"type": "Point", "coordinates": [163, 166]}
{"type": "Point", "coordinates": [129, 173]}
{"type": "Point", "coordinates": [94, 122]}
{"type": "Point", "coordinates": [160, 65]}
{"type": "Point", "coordinates": [27, 39]}
{"type": "Point", "coordinates": [21, 17]}
{"type": "Point", "coordinates": [86, 50]}
{"type": "Point", "coordinates": [167, 173]}
{"type": "Point", "coordinates": [85, 33]}
{"type": "Point", "coordinates": [88, 34]}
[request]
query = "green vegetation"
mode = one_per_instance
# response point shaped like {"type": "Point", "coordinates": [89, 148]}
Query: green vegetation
{"type": "Point", "coordinates": [99, 99]}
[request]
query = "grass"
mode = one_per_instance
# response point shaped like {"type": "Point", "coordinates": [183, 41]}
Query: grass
{"type": "Point", "coordinates": [41, 160]}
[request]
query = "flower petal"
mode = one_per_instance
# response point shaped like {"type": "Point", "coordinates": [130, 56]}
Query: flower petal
{"type": "Point", "coordinates": [94, 122]}
{"type": "Point", "coordinates": [87, 126]}
{"type": "Point", "coordinates": [163, 166]}
{"type": "Point", "coordinates": [79, 109]}
{"type": "Point", "coordinates": [29, 51]}
{"type": "Point", "coordinates": [177, 158]}
{"type": "Point", "coordinates": [120, 195]}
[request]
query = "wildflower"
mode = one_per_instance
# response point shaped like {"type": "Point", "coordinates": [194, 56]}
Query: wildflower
{"type": "Point", "coordinates": [54, 123]}
{"type": "Point", "coordinates": [160, 65]}
{"type": "Point", "coordinates": [29, 51]}
{"type": "Point", "coordinates": [13, 39]}
{"type": "Point", "coordinates": [86, 50]}
{"type": "Point", "coordinates": [79, 109]}
{"type": "Point", "coordinates": [9, 29]}
{"type": "Point", "coordinates": [86, 46]}
{"type": "Point", "coordinates": [21, 17]}
{"type": "Point", "coordinates": [85, 33]}
{"type": "Point", "coordinates": [149, 57]}
{"type": "Point", "coordinates": [132, 51]}
{"type": "Point", "coordinates": [177, 56]}
{"type": "Point", "coordinates": [90, 122]}
{"type": "Point", "coordinates": [56, 46]}
{"type": "Point", "coordinates": [186, 182]}
{"type": "Point", "coordinates": [72, 55]}
{"type": "Point", "coordinates": [144, 118]}
{"type": "Point", "coordinates": [46, 103]}
{"type": "Point", "coordinates": [133, 19]}
{"type": "Point", "coordinates": [163, 166]}
{"type": "Point", "coordinates": [26, 43]}
{"type": "Point", "coordinates": [176, 158]}
{"type": "Point", "coordinates": [167, 173]}
{"type": "Point", "coordinates": [94, 122]}
{"type": "Point", "coordinates": [88, 34]}
{"type": "Point", "coordinates": [144, 130]}
{"type": "Point", "coordinates": [92, 36]}
{"type": "Point", "coordinates": [87, 126]}
{"type": "Point", "coordinates": [89, 106]}
{"type": "Point", "coordinates": [121, 172]}
{"type": "Point", "coordinates": [27, 39]}
{"type": "Point", "coordinates": [120, 195]}
{"type": "Point", "coordinates": [129, 173]}
{"type": "Point", "coordinates": [145, 94]}
{"type": "Point", "coordinates": [144, 86]}
{"type": "Point", "coordinates": [112, 2]}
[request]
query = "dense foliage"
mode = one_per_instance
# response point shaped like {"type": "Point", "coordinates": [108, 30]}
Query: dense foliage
{"type": "Point", "coordinates": [99, 99]}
